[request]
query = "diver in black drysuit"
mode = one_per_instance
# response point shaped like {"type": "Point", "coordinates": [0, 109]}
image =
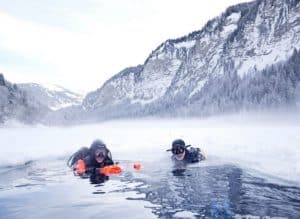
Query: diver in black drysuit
{"type": "Point", "coordinates": [184, 154]}
{"type": "Point", "coordinates": [94, 158]}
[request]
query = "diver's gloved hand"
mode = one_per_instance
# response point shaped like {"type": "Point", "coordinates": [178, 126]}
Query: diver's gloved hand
{"type": "Point", "coordinates": [80, 167]}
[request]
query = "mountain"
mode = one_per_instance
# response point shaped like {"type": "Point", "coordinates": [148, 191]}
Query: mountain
{"type": "Point", "coordinates": [15, 104]}
{"type": "Point", "coordinates": [247, 58]}
{"type": "Point", "coordinates": [53, 96]}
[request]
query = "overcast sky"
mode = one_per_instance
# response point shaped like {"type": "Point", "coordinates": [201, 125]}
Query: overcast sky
{"type": "Point", "coordinates": [80, 44]}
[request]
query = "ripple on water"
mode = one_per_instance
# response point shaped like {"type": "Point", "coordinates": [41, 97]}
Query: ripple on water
{"type": "Point", "coordinates": [198, 191]}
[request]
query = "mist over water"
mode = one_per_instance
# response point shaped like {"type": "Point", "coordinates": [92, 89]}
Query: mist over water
{"type": "Point", "coordinates": [267, 144]}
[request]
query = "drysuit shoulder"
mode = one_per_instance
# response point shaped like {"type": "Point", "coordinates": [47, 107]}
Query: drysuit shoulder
{"type": "Point", "coordinates": [78, 155]}
{"type": "Point", "coordinates": [194, 155]}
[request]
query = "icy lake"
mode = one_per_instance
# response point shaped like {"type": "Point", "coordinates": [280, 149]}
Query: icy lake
{"type": "Point", "coordinates": [253, 169]}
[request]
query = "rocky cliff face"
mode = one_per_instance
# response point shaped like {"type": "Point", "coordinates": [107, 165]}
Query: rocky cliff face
{"type": "Point", "coordinates": [17, 105]}
{"type": "Point", "coordinates": [244, 41]}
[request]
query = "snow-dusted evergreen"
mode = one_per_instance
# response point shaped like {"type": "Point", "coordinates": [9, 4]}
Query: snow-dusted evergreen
{"type": "Point", "coordinates": [15, 104]}
{"type": "Point", "coordinates": [53, 96]}
{"type": "Point", "coordinates": [248, 58]}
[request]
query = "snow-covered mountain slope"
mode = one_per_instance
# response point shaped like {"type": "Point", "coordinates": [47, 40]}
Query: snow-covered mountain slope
{"type": "Point", "coordinates": [245, 40]}
{"type": "Point", "coordinates": [118, 89]}
{"type": "Point", "coordinates": [53, 96]}
{"type": "Point", "coordinates": [15, 104]}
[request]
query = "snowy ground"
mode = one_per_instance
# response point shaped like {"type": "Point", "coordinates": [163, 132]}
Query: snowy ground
{"type": "Point", "coordinates": [268, 145]}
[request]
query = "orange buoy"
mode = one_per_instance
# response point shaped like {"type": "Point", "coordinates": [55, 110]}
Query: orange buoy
{"type": "Point", "coordinates": [110, 170]}
{"type": "Point", "coordinates": [137, 166]}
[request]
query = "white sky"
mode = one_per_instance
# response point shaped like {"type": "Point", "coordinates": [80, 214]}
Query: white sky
{"type": "Point", "coordinates": [80, 44]}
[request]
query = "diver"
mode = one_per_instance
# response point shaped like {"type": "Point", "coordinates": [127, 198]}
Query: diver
{"type": "Point", "coordinates": [89, 161]}
{"type": "Point", "coordinates": [185, 153]}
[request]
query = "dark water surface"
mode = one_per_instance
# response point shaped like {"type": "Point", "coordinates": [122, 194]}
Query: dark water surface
{"type": "Point", "coordinates": [48, 189]}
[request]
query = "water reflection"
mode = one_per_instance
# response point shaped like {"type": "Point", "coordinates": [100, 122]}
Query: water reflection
{"type": "Point", "coordinates": [196, 191]}
{"type": "Point", "coordinates": [178, 172]}
{"type": "Point", "coordinates": [218, 192]}
{"type": "Point", "coordinates": [98, 178]}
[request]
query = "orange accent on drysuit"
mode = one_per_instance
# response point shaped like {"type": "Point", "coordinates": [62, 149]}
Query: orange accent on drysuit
{"type": "Point", "coordinates": [111, 169]}
{"type": "Point", "coordinates": [80, 167]}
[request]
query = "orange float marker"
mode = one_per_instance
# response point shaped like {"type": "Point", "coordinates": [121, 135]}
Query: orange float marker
{"type": "Point", "coordinates": [137, 166]}
{"type": "Point", "coordinates": [110, 170]}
